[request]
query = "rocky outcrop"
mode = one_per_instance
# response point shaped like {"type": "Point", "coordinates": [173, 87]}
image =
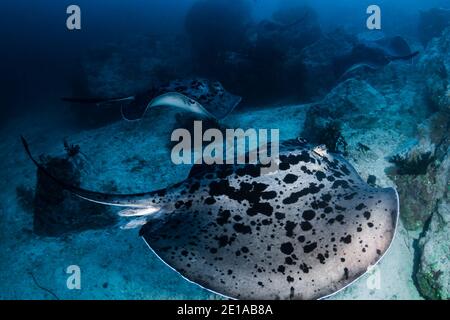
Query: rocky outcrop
{"type": "Point", "coordinates": [433, 276]}
{"type": "Point", "coordinates": [140, 63]}
{"type": "Point", "coordinates": [435, 65]}
{"type": "Point", "coordinates": [318, 59]}
{"type": "Point", "coordinates": [354, 103]}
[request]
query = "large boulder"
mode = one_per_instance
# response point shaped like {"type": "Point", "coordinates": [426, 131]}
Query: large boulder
{"type": "Point", "coordinates": [354, 103]}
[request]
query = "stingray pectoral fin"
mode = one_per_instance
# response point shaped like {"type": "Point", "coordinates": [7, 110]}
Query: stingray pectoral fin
{"type": "Point", "coordinates": [171, 99]}
{"type": "Point", "coordinates": [137, 200]}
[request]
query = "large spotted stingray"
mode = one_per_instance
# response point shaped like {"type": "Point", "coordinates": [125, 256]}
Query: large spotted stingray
{"type": "Point", "coordinates": [305, 231]}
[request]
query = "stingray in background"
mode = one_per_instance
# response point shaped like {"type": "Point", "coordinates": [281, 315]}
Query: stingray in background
{"type": "Point", "coordinates": [201, 96]}
{"type": "Point", "coordinates": [305, 231]}
{"type": "Point", "coordinates": [373, 54]}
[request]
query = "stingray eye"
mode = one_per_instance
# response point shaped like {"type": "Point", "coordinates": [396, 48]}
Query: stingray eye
{"type": "Point", "coordinates": [302, 141]}
{"type": "Point", "coordinates": [321, 150]}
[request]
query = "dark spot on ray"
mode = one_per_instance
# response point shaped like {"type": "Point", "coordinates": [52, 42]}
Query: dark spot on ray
{"type": "Point", "coordinates": [290, 178]}
{"type": "Point", "coordinates": [289, 227]}
{"type": "Point", "coordinates": [263, 208]}
{"type": "Point", "coordinates": [308, 215]}
{"type": "Point", "coordinates": [344, 169]}
{"type": "Point", "coordinates": [289, 261]}
{"type": "Point", "coordinates": [366, 215]}
{"type": "Point", "coordinates": [210, 201]}
{"type": "Point", "coordinates": [223, 217]}
{"type": "Point", "coordinates": [310, 247]}
{"type": "Point", "coordinates": [346, 273]}
{"type": "Point", "coordinates": [340, 183]}
{"type": "Point", "coordinates": [305, 225]}
{"type": "Point", "coordinates": [194, 187]}
{"type": "Point", "coordinates": [295, 196]}
{"type": "Point", "coordinates": [287, 248]}
{"type": "Point", "coordinates": [242, 228]}
{"type": "Point", "coordinates": [280, 215]}
{"type": "Point", "coordinates": [320, 175]}
{"type": "Point", "coordinates": [321, 258]}
{"type": "Point", "coordinates": [347, 239]}
{"type": "Point", "coordinates": [268, 195]}
{"type": "Point", "coordinates": [304, 267]}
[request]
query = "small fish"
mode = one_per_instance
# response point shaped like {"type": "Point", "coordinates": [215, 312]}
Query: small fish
{"type": "Point", "coordinates": [305, 231]}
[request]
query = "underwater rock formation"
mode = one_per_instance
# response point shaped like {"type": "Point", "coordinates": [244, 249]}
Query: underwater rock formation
{"type": "Point", "coordinates": [292, 29]}
{"type": "Point", "coordinates": [354, 103]}
{"type": "Point", "coordinates": [215, 28]}
{"type": "Point", "coordinates": [435, 65]}
{"type": "Point", "coordinates": [57, 211]}
{"type": "Point", "coordinates": [318, 59]}
{"type": "Point", "coordinates": [432, 22]}
{"type": "Point", "coordinates": [433, 276]}
{"type": "Point", "coordinates": [420, 194]}
{"type": "Point", "coordinates": [125, 68]}
{"type": "Point", "coordinates": [422, 184]}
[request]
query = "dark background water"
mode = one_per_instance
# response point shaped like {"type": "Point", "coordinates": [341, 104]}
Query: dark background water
{"type": "Point", "coordinates": [39, 57]}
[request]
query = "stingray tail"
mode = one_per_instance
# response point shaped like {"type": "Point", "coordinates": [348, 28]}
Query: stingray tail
{"type": "Point", "coordinates": [97, 101]}
{"type": "Point", "coordinates": [138, 206]}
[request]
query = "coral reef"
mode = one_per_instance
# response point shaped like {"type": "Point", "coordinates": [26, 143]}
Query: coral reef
{"type": "Point", "coordinates": [354, 103]}
{"type": "Point", "coordinates": [416, 165]}
{"type": "Point", "coordinates": [331, 136]}
{"type": "Point", "coordinates": [433, 276]}
{"type": "Point", "coordinates": [435, 66]}
{"type": "Point", "coordinates": [422, 182]}
{"type": "Point", "coordinates": [432, 23]}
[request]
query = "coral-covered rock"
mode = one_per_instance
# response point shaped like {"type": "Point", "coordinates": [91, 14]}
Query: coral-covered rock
{"type": "Point", "coordinates": [140, 63]}
{"type": "Point", "coordinates": [432, 22]}
{"type": "Point", "coordinates": [318, 59]}
{"type": "Point", "coordinates": [433, 276]}
{"type": "Point", "coordinates": [435, 64]}
{"type": "Point", "coordinates": [421, 189]}
{"type": "Point", "coordinates": [355, 103]}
